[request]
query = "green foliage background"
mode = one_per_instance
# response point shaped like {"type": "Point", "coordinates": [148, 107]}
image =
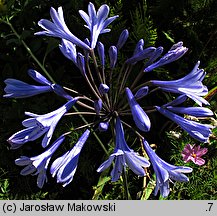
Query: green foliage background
{"type": "Point", "coordinates": [159, 23]}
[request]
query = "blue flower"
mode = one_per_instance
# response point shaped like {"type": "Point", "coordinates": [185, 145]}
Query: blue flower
{"type": "Point", "coordinates": [191, 85]}
{"type": "Point", "coordinates": [18, 89]}
{"type": "Point", "coordinates": [140, 118]}
{"type": "Point", "coordinates": [141, 54]}
{"type": "Point", "coordinates": [39, 125]}
{"type": "Point", "coordinates": [65, 166]}
{"type": "Point", "coordinates": [38, 165]}
{"type": "Point", "coordinates": [68, 49]}
{"type": "Point", "coordinates": [124, 156]}
{"type": "Point", "coordinates": [165, 172]}
{"type": "Point", "coordinates": [198, 131]}
{"type": "Point", "coordinates": [192, 111]}
{"type": "Point", "coordinates": [175, 52]}
{"type": "Point", "coordinates": [97, 22]}
{"type": "Point", "coordinates": [58, 28]}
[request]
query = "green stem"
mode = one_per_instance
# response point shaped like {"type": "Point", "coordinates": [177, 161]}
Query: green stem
{"type": "Point", "coordinates": [126, 189]}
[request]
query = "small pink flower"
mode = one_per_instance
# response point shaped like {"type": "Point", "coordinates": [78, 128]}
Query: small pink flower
{"type": "Point", "coordinates": [194, 153]}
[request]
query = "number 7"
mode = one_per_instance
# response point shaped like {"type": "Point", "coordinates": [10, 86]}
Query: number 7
{"type": "Point", "coordinates": [210, 206]}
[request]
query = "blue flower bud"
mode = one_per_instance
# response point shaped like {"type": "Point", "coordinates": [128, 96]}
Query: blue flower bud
{"type": "Point", "coordinates": [101, 53]}
{"type": "Point", "coordinates": [141, 92]}
{"type": "Point", "coordinates": [122, 39]}
{"type": "Point", "coordinates": [103, 126]}
{"type": "Point", "coordinates": [98, 106]}
{"type": "Point", "coordinates": [103, 89]}
{"type": "Point", "coordinates": [113, 54]}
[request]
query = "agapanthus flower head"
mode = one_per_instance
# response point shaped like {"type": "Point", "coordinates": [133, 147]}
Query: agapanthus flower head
{"type": "Point", "coordinates": [191, 85]}
{"type": "Point", "coordinates": [38, 165]}
{"type": "Point", "coordinates": [97, 22]}
{"type": "Point", "coordinates": [175, 52]}
{"type": "Point", "coordinates": [58, 28]}
{"type": "Point", "coordinates": [39, 125]}
{"type": "Point", "coordinates": [194, 153]}
{"type": "Point", "coordinates": [165, 172]}
{"type": "Point", "coordinates": [140, 118]}
{"type": "Point", "coordinates": [65, 166]}
{"type": "Point", "coordinates": [123, 157]}
{"type": "Point", "coordinates": [198, 131]}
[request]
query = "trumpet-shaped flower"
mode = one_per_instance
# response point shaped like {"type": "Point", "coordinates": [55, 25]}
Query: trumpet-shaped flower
{"type": "Point", "coordinates": [18, 89]}
{"type": "Point", "coordinates": [58, 28]}
{"type": "Point", "coordinates": [141, 54]}
{"type": "Point", "coordinates": [191, 85]}
{"type": "Point", "coordinates": [38, 165]}
{"type": "Point", "coordinates": [97, 22]}
{"type": "Point", "coordinates": [165, 172]}
{"type": "Point", "coordinates": [140, 118]}
{"type": "Point", "coordinates": [192, 111]}
{"type": "Point", "coordinates": [68, 49]}
{"type": "Point", "coordinates": [175, 52]}
{"type": "Point", "coordinates": [124, 156]}
{"type": "Point", "coordinates": [39, 125]}
{"type": "Point", "coordinates": [194, 153]}
{"type": "Point", "coordinates": [198, 131]}
{"type": "Point", "coordinates": [65, 166]}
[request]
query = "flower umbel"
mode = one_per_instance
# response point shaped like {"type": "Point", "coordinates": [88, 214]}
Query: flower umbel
{"type": "Point", "coordinates": [112, 93]}
{"type": "Point", "coordinates": [194, 154]}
